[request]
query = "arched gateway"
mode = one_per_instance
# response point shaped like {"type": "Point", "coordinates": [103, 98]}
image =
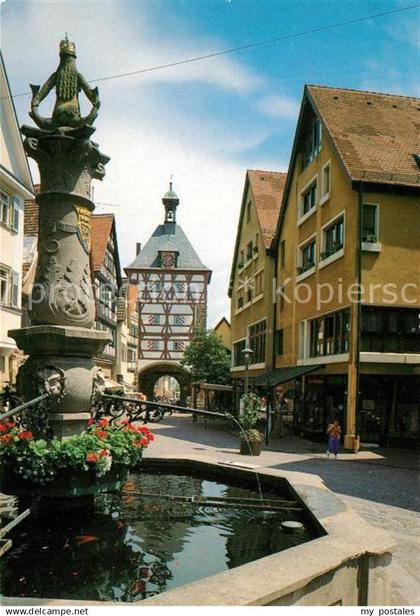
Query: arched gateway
{"type": "Point", "coordinates": [151, 374]}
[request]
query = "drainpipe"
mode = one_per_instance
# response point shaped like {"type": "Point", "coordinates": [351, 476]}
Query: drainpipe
{"type": "Point", "coordinates": [359, 307]}
{"type": "Point", "coordinates": [353, 376]}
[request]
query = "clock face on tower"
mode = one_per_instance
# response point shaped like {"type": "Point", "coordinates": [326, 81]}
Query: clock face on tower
{"type": "Point", "coordinates": [168, 259]}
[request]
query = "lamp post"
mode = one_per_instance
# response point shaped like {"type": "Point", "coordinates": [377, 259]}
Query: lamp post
{"type": "Point", "coordinates": [247, 351]}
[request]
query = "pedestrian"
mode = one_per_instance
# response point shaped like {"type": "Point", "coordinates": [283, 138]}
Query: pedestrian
{"type": "Point", "coordinates": [334, 434]}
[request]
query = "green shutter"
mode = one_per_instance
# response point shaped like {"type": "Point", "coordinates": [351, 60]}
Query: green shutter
{"type": "Point", "coordinates": [15, 214]}
{"type": "Point", "coordinates": [15, 289]}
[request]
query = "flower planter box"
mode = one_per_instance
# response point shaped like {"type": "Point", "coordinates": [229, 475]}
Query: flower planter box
{"type": "Point", "coordinates": [68, 483]}
{"type": "Point", "coordinates": [251, 449]}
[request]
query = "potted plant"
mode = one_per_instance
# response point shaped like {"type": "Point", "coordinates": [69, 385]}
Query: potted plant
{"type": "Point", "coordinates": [250, 438]}
{"type": "Point", "coordinates": [95, 461]}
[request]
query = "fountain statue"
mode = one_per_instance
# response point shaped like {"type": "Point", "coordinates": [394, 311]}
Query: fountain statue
{"type": "Point", "coordinates": [61, 341]}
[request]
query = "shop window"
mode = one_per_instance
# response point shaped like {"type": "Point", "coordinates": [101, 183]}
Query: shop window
{"type": "Point", "coordinates": [370, 230]}
{"type": "Point", "coordinates": [390, 330]}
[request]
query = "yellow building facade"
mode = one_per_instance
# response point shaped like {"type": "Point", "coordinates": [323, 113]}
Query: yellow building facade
{"type": "Point", "coordinates": [251, 281]}
{"type": "Point", "coordinates": [348, 267]}
{"type": "Point", "coordinates": [223, 330]}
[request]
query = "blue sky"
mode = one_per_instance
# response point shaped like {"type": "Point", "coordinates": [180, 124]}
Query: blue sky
{"type": "Point", "coordinates": [208, 121]}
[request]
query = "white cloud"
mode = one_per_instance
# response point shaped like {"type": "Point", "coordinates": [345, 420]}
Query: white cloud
{"type": "Point", "coordinates": [278, 106]}
{"type": "Point", "coordinates": [109, 41]}
{"type": "Point", "coordinates": [147, 137]}
{"type": "Point", "coordinates": [209, 188]}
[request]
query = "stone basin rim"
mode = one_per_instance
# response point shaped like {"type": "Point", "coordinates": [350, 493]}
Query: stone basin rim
{"type": "Point", "coordinates": [348, 540]}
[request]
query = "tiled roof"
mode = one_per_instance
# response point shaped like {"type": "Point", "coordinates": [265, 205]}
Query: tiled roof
{"type": "Point", "coordinates": [100, 231]}
{"type": "Point", "coordinates": [30, 219]}
{"type": "Point", "coordinates": [132, 295]}
{"type": "Point", "coordinates": [267, 188]}
{"type": "Point", "coordinates": [376, 135]}
{"type": "Point", "coordinates": [168, 236]}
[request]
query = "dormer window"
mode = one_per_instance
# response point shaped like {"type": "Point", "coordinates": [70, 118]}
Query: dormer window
{"type": "Point", "coordinates": [168, 259]}
{"type": "Point", "coordinates": [312, 143]}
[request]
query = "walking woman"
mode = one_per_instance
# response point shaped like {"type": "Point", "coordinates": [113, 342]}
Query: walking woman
{"type": "Point", "coordinates": [334, 434]}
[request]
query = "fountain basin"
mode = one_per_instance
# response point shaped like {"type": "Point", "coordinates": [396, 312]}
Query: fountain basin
{"type": "Point", "coordinates": [346, 562]}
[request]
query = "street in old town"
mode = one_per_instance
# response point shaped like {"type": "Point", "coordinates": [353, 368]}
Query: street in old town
{"type": "Point", "coordinates": [382, 485]}
{"type": "Point", "coordinates": [210, 306]}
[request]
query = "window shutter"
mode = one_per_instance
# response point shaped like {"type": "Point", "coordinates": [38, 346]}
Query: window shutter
{"type": "Point", "coordinates": [15, 289]}
{"type": "Point", "coordinates": [15, 214]}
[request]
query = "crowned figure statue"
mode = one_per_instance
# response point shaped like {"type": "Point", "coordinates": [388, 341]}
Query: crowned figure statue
{"type": "Point", "coordinates": [68, 82]}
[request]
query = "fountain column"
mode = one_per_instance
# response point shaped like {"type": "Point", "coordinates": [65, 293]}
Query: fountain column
{"type": "Point", "coordinates": [61, 341]}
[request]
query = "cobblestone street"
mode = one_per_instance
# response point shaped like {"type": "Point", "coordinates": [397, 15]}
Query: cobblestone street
{"type": "Point", "coordinates": [382, 486]}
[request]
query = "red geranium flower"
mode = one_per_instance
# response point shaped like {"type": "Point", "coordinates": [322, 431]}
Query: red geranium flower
{"type": "Point", "coordinates": [6, 439]}
{"type": "Point", "coordinates": [144, 442]}
{"type": "Point", "coordinates": [90, 422]}
{"type": "Point", "coordinates": [3, 427]}
{"type": "Point", "coordinates": [104, 422]}
{"type": "Point", "coordinates": [91, 457]}
{"type": "Point", "coordinates": [151, 436]}
{"type": "Point", "coordinates": [25, 435]}
{"type": "Point", "coordinates": [101, 433]}
{"type": "Point", "coordinates": [104, 453]}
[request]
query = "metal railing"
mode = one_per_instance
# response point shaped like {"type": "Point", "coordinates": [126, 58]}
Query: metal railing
{"type": "Point", "coordinates": [163, 405]}
{"type": "Point", "coordinates": [23, 407]}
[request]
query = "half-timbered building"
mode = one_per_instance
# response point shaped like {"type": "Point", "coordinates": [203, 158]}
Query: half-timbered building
{"type": "Point", "coordinates": [172, 298]}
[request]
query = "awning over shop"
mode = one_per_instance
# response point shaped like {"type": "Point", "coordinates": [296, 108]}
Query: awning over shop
{"type": "Point", "coordinates": [282, 375]}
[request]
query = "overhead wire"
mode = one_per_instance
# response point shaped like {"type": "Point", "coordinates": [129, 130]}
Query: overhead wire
{"type": "Point", "coordinates": [243, 47]}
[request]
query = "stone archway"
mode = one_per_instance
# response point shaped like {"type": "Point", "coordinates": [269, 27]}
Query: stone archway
{"type": "Point", "coordinates": [149, 376]}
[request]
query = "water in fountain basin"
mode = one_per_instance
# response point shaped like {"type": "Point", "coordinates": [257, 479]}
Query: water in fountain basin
{"type": "Point", "coordinates": [129, 547]}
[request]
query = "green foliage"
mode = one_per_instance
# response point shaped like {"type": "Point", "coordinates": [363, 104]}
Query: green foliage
{"type": "Point", "coordinates": [250, 411]}
{"type": "Point", "coordinates": [97, 449]}
{"type": "Point", "coordinates": [253, 436]}
{"type": "Point", "coordinates": [207, 358]}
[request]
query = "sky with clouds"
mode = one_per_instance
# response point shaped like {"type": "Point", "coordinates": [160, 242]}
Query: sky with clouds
{"type": "Point", "coordinates": [205, 122]}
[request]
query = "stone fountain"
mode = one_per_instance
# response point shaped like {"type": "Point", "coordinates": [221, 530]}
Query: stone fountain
{"type": "Point", "coordinates": [62, 342]}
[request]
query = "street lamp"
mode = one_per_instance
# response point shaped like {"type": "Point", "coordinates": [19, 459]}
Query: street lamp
{"type": "Point", "coordinates": [247, 351]}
